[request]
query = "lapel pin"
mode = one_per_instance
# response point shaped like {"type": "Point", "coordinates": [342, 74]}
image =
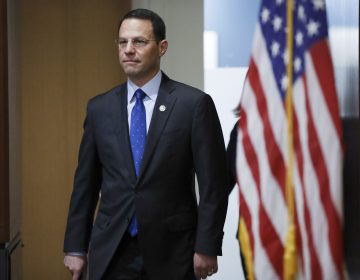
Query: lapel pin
{"type": "Point", "coordinates": [162, 108]}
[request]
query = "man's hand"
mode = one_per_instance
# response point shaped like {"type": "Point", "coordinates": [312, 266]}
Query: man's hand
{"type": "Point", "coordinates": [75, 264]}
{"type": "Point", "coordinates": [204, 265]}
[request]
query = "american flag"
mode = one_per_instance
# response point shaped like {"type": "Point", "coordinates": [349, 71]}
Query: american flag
{"type": "Point", "coordinates": [314, 133]}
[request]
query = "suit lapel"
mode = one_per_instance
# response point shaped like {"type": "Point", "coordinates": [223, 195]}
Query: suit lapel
{"type": "Point", "coordinates": [120, 120]}
{"type": "Point", "coordinates": [162, 110]}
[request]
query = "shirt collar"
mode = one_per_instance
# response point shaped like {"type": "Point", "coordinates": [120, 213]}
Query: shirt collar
{"type": "Point", "coordinates": [151, 88]}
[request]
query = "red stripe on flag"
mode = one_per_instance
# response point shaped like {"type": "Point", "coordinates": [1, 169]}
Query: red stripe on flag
{"type": "Point", "coordinates": [276, 160]}
{"type": "Point", "coordinates": [271, 242]}
{"type": "Point", "coordinates": [320, 55]}
{"type": "Point", "coordinates": [268, 236]}
{"type": "Point", "coordinates": [334, 224]}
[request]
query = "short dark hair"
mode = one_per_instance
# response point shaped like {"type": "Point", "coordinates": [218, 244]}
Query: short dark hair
{"type": "Point", "coordinates": [157, 22]}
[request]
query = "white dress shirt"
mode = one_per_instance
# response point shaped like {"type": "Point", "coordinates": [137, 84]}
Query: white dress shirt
{"type": "Point", "coordinates": [151, 88]}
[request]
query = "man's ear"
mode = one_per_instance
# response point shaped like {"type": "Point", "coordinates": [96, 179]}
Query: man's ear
{"type": "Point", "coordinates": [163, 45]}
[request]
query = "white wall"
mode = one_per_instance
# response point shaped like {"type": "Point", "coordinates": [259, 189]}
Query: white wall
{"type": "Point", "coordinates": [184, 23]}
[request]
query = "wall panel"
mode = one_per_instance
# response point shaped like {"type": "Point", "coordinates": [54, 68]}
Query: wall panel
{"type": "Point", "coordinates": [67, 56]}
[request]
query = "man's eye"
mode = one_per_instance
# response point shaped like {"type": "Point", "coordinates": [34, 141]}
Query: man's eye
{"type": "Point", "coordinates": [139, 42]}
{"type": "Point", "coordinates": [123, 42]}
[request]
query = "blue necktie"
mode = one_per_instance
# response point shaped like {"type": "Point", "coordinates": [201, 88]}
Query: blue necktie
{"type": "Point", "coordinates": [137, 140]}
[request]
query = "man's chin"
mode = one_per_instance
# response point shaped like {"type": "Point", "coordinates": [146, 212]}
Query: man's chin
{"type": "Point", "coordinates": [131, 72]}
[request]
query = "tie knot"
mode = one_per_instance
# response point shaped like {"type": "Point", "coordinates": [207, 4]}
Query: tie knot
{"type": "Point", "coordinates": [139, 94]}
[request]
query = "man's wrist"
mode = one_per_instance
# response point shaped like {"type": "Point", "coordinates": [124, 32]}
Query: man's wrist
{"type": "Point", "coordinates": [76, 254]}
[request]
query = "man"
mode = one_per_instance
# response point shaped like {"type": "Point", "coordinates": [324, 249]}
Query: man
{"type": "Point", "coordinates": [143, 142]}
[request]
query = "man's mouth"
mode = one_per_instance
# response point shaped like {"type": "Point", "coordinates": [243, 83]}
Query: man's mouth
{"type": "Point", "coordinates": [130, 61]}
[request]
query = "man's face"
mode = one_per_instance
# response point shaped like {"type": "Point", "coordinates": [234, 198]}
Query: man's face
{"type": "Point", "coordinates": [139, 53]}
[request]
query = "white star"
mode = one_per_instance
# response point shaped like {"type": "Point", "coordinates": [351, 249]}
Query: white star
{"type": "Point", "coordinates": [277, 21]}
{"type": "Point", "coordinates": [299, 38]}
{"type": "Point", "coordinates": [275, 48]}
{"type": "Point", "coordinates": [279, 2]}
{"type": "Point", "coordinates": [313, 27]}
{"type": "Point", "coordinates": [286, 56]}
{"type": "Point", "coordinates": [301, 13]}
{"type": "Point", "coordinates": [297, 64]}
{"type": "Point", "coordinates": [265, 15]}
{"type": "Point", "coordinates": [284, 82]}
{"type": "Point", "coordinates": [319, 5]}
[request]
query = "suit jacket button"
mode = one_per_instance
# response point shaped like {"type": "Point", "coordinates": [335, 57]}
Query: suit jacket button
{"type": "Point", "coordinates": [127, 220]}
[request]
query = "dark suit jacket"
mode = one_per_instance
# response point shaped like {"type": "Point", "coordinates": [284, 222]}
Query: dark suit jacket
{"type": "Point", "coordinates": [184, 139]}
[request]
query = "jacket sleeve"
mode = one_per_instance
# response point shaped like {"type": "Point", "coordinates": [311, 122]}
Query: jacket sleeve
{"type": "Point", "coordinates": [209, 157]}
{"type": "Point", "coordinates": [85, 192]}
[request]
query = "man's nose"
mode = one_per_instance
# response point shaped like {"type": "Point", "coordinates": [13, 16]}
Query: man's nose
{"type": "Point", "coordinates": [129, 48]}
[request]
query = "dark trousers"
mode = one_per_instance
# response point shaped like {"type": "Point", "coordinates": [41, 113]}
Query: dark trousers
{"type": "Point", "coordinates": [127, 262]}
